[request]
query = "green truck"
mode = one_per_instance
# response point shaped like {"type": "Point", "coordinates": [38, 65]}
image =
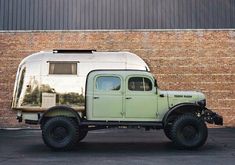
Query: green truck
{"type": "Point", "coordinates": [69, 92]}
{"type": "Point", "coordinates": [130, 98]}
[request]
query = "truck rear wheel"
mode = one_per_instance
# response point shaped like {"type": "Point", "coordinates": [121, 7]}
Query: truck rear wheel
{"type": "Point", "coordinates": [60, 133]}
{"type": "Point", "coordinates": [189, 132]}
{"type": "Point", "coordinates": [82, 133]}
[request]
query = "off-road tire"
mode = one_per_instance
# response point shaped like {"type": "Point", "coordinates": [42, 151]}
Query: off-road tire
{"type": "Point", "coordinates": [167, 131]}
{"type": "Point", "coordinates": [189, 132]}
{"type": "Point", "coordinates": [168, 126]}
{"type": "Point", "coordinates": [82, 133]}
{"type": "Point", "coordinates": [60, 133]}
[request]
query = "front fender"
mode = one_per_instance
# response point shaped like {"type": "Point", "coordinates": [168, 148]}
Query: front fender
{"type": "Point", "coordinates": [180, 109]}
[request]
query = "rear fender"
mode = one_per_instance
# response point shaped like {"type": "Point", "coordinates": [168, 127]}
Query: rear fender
{"type": "Point", "coordinates": [60, 111]}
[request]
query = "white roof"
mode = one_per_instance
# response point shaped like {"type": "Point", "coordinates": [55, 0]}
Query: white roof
{"type": "Point", "coordinates": [124, 57]}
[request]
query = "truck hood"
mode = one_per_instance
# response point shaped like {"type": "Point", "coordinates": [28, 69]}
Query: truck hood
{"type": "Point", "coordinates": [177, 97]}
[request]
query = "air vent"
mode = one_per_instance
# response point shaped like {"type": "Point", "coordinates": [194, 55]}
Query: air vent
{"type": "Point", "coordinates": [73, 51]}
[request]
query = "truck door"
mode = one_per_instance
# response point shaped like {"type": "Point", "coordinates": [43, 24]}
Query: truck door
{"type": "Point", "coordinates": [108, 96]}
{"type": "Point", "coordinates": [140, 99]}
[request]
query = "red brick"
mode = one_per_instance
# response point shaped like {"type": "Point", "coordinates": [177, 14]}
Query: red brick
{"type": "Point", "coordinates": [181, 60]}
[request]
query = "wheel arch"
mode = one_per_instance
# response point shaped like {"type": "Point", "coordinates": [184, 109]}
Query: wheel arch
{"type": "Point", "coordinates": [181, 108]}
{"type": "Point", "coordinates": [60, 111]}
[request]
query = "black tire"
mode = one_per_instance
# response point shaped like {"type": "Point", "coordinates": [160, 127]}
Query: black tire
{"type": "Point", "coordinates": [60, 133]}
{"type": "Point", "coordinates": [167, 131]}
{"type": "Point", "coordinates": [82, 133]}
{"type": "Point", "coordinates": [168, 126]}
{"type": "Point", "coordinates": [189, 132]}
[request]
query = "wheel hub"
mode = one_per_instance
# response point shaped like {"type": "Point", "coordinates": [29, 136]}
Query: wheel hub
{"type": "Point", "coordinates": [59, 133]}
{"type": "Point", "coordinates": [189, 132]}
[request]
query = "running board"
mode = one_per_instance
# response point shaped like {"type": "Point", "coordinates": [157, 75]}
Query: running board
{"type": "Point", "coordinates": [123, 123]}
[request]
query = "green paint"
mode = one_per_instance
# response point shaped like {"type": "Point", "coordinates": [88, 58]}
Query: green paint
{"type": "Point", "coordinates": [125, 104]}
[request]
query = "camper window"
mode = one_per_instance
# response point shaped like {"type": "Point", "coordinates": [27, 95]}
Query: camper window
{"type": "Point", "coordinates": [62, 68]}
{"type": "Point", "coordinates": [21, 82]}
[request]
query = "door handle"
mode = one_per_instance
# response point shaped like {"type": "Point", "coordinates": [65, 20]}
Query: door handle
{"type": "Point", "coordinates": [96, 97]}
{"type": "Point", "coordinates": [128, 98]}
{"type": "Point", "coordinates": [123, 113]}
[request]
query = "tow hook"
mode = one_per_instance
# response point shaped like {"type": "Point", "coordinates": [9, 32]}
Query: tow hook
{"type": "Point", "coordinates": [212, 117]}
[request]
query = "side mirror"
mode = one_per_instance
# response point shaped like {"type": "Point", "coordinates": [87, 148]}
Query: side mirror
{"type": "Point", "coordinates": [155, 83]}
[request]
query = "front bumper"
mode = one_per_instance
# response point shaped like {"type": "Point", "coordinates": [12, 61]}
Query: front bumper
{"type": "Point", "coordinates": [212, 117]}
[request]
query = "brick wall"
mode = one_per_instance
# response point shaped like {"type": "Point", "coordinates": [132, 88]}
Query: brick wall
{"type": "Point", "coordinates": [181, 60]}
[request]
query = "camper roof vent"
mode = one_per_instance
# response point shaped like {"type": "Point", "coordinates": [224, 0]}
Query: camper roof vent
{"type": "Point", "coordinates": [73, 51]}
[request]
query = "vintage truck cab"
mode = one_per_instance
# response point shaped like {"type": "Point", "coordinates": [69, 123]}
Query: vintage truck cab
{"type": "Point", "coordinates": [130, 98]}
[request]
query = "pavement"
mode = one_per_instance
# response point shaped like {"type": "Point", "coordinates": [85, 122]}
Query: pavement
{"type": "Point", "coordinates": [117, 146]}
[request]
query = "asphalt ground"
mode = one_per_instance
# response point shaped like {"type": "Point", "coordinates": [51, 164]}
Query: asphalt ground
{"type": "Point", "coordinates": [117, 146]}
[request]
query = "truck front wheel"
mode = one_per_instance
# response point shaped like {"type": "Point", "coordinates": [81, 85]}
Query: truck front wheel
{"type": "Point", "coordinates": [189, 132]}
{"type": "Point", "coordinates": [60, 133]}
{"type": "Point", "coordinates": [167, 131]}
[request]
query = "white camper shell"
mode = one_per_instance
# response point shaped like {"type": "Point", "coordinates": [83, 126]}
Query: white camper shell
{"type": "Point", "coordinates": [53, 78]}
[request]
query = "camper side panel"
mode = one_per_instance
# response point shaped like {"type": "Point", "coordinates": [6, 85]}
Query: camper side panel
{"type": "Point", "coordinates": [28, 85]}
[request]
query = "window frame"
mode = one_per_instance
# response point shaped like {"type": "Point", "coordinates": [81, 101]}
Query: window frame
{"type": "Point", "coordinates": [139, 76]}
{"type": "Point", "coordinates": [20, 79]}
{"type": "Point", "coordinates": [62, 62]}
{"type": "Point", "coordinates": [109, 91]}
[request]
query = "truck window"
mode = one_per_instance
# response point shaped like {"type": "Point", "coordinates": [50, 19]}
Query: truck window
{"type": "Point", "coordinates": [63, 68]}
{"type": "Point", "coordinates": [108, 83]}
{"type": "Point", "coordinates": [139, 84]}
